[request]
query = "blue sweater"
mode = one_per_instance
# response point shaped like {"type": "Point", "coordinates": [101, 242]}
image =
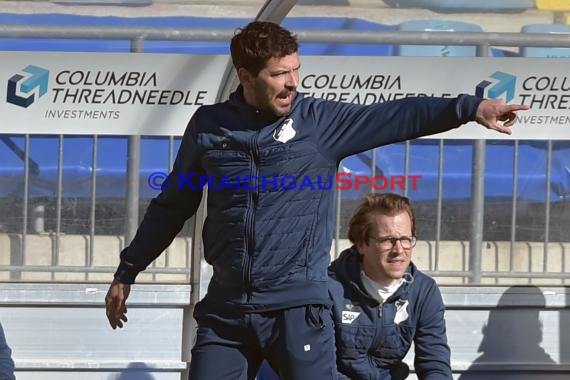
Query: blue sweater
{"type": "Point", "coordinates": [270, 217]}
{"type": "Point", "coordinates": [371, 341]}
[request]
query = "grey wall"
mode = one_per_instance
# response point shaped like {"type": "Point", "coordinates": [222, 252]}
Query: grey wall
{"type": "Point", "coordinates": [59, 331]}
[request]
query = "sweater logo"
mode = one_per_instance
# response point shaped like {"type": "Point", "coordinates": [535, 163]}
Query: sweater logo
{"type": "Point", "coordinates": [401, 311]}
{"type": "Point", "coordinates": [349, 316]}
{"type": "Point", "coordinates": [285, 131]}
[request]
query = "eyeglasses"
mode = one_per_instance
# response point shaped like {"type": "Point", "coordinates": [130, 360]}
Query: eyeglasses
{"type": "Point", "coordinates": [389, 242]}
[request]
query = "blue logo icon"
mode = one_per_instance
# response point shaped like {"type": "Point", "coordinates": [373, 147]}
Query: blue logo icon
{"type": "Point", "coordinates": [506, 84]}
{"type": "Point", "coordinates": [36, 77]}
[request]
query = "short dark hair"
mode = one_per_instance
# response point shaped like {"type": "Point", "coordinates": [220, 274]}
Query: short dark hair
{"type": "Point", "coordinates": [252, 46]}
{"type": "Point", "coordinates": [361, 225]}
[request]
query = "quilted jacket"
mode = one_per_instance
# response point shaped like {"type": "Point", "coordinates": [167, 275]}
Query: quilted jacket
{"type": "Point", "coordinates": [270, 217]}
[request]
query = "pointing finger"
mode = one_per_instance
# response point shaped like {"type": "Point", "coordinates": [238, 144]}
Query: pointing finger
{"type": "Point", "coordinates": [516, 107]}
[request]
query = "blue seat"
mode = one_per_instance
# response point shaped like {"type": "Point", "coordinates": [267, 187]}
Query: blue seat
{"type": "Point", "coordinates": [440, 50]}
{"type": "Point", "coordinates": [548, 52]}
{"type": "Point", "coordinates": [450, 6]}
{"type": "Point", "coordinates": [437, 50]}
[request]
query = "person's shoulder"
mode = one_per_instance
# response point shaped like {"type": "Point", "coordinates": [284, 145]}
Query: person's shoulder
{"type": "Point", "coordinates": [426, 279]}
{"type": "Point", "coordinates": [337, 268]}
{"type": "Point", "coordinates": [213, 109]}
{"type": "Point", "coordinates": [346, 258]}
{"type": "Point", "coordinates": [423, 280]}
{"type": "Point", "coordinates": [335, 286]}
{"type": "Point", "coordinates": [307, 102]}
{"type": "Point", "coordinates": [343, 269]}
{"type": "Point", "coordinates": [209, 114]}
{"type": "Point", "coordinates": [333, 275]}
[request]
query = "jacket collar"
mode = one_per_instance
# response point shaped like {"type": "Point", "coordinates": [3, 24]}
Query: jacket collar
{"type": "Point", "coordinates": [251, 113]}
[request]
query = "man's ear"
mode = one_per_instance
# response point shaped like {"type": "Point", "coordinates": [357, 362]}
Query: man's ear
{"type": "Point", "coordinates": [245, 77]}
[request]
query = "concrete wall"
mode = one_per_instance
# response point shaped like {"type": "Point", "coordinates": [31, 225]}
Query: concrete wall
{"type": "Point", "coordinates": [59, 331]}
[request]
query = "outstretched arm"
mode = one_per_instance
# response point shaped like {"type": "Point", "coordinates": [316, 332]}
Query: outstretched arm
{"type": "Point", "coordinates": [496, 115]}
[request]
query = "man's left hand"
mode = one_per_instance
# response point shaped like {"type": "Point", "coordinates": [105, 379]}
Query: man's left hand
{"type": "Point", "coordinates": [495, 114]}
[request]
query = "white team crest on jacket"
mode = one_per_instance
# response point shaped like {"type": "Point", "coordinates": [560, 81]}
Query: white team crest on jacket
{"type": "Point", "coordinates": [285, 131]}
{"type": "Point", "coordinates": [401, 311]}
{"type": "Point", "coordinates": [349, 316]}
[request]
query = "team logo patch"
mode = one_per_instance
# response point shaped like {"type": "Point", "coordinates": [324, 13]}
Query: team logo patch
{"type": "Point", "coordinates": [401, 311]}
{"type": "Point", "coordinates": [285, 131]}
{"type": "Point", "coordinates": [349, 316]}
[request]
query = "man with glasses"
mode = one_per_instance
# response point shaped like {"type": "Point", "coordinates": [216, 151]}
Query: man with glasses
{"type": "Point", "coordinates": [382, 302]}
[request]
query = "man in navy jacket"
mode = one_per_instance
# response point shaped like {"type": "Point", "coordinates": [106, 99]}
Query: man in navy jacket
{"type": "Point", "coordinates": [6, 361]}
{"type": "Point", "coordinates": [268, 155]}
{"type": "Point", "coordinates": [382, 302]}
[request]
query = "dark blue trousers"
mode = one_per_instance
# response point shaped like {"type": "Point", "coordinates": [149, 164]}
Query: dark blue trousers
{"type": "Point", "coordinates": [298, 343]}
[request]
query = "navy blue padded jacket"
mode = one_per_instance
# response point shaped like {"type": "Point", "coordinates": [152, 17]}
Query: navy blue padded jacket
{"type": "Point", "coordinates": [269, 241]}
{"type": "Point", "coordinates": [371, 340]}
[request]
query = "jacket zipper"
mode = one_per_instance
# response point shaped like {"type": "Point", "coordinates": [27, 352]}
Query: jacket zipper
{"type": "Point", "coordinates": [398, 295]}
{"type": "Point", "coordinates": [253, 195]}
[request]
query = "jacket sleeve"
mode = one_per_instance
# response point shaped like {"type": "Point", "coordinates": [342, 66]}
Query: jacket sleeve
{"type": "Point", "coordinates": [165, 216]}
{"type": "Point", "coordinates": [432, 354]}
{"type": "Point", "coordinates": [346, 129]}
{"type": "Point", "coordinates": [6, 362]}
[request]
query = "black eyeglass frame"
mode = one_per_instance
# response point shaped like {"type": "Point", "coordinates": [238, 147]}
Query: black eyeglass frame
{"type": "Point", "coordinates": [407, 242]}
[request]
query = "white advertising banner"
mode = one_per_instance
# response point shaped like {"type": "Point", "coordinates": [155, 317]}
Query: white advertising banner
{"type": "Point", "coordinates": [156, 94]}
{"type": "Point", "coordinates": [541, 83]}
{"type": "Point", "coordinates": [105, 93]}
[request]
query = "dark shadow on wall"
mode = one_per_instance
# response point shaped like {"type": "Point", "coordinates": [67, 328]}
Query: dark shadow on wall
{"type": "Point", "coordinates": [511, 338]}
{"type": "Point", "coordinates": [135, 371]}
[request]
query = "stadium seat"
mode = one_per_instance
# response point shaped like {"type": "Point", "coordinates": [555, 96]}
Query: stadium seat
{"type": "Point", "coordinates": [451, 6]}
{"type": "Point", "coordinates": [553, 5]}
{"type": "Point", "coordinates": [436, 50]}
{"type": "Point", "coordinates": [549, 52]}
{"type": "Point", "coordinates": [442, 51]}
